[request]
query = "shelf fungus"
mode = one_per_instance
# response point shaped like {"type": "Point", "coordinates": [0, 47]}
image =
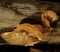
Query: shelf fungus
{"type": "Point", "coordinates": [48, 17]}
{"type": "Point", "coordinates": [30, 34]}
{"type": "Point", "coordinates": [25, 34]}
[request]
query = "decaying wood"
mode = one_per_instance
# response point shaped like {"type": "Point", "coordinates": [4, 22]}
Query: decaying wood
{"type": "Point", "coordinates": [11, 13]}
